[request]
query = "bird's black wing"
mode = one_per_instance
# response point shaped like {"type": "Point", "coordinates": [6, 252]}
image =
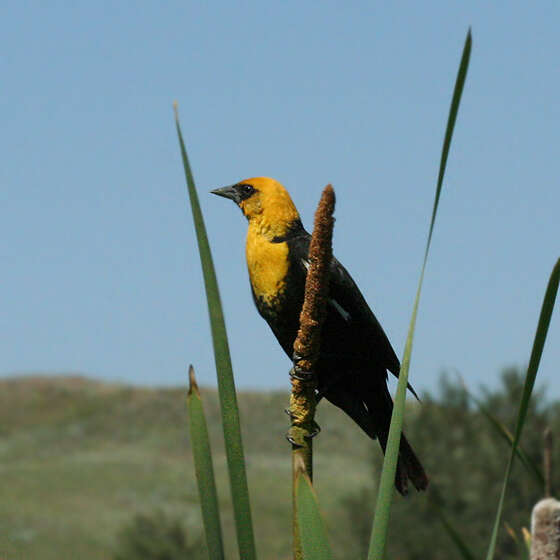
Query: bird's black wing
{"type": "Point", "coordinates": [345, 295]}
{"type": "Point", "coordinates": [346, 299]}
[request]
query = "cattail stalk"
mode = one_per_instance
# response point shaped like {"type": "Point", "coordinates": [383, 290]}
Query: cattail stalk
{"type": "Point", "coordinates": [545, 520]}
{"type": "Point", "coordinates": [307, 346]}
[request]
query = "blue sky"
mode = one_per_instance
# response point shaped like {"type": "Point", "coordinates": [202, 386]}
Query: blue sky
{"type": "Point", "coordinates": [100, 271]}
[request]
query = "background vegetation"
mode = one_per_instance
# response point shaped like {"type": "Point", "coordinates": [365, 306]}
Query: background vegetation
{"type": "Point", "coordinates": [81, 460]}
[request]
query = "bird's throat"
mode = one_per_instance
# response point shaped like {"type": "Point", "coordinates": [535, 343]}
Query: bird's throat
{"type": "Point", "coordinates": [268, 265]}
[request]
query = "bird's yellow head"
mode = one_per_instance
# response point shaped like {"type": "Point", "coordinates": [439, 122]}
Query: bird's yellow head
{"type": "Point", "coordinates": [265, 202]}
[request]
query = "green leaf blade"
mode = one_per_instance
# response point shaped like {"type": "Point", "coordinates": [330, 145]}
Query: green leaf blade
{"type": "Point", "coordinates": [204, 469]}
{"type": "Point", "coordinates": [226, 385]}
{"type": "Point", "coordinates": [502, 430]}
{"type": "Point", "coordinates": [534, 361]}
{"type": "Point", "coordinates": [386, 487]}
{"type": "Point", "coordinates": [312, 530]}
{"type": "Point", "coordinates": [451, 119]}
{"type": "Point", "coordinates": [454, 535]}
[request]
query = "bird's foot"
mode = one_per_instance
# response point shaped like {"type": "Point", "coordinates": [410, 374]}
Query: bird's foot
{"type": "Point", "coordinates": [298, 434]}
{"type": "Point", "coordinates": [301, 375]}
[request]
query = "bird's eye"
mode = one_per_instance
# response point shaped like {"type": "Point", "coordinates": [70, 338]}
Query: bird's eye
{"type": "Point", "coordinates": [246, 191]}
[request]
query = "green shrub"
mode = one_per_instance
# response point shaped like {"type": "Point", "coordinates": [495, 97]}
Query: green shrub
{"type": "Point", "coordinates": [156, 537]}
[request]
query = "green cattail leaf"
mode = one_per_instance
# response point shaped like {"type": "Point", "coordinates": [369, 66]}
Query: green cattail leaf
{"type": "Point", "coordinates": [534, 360]}
{"type": "Point", "coordinates": [454, 535]}
{"type": "Point", "coordinates": [204, 469]}
{"type": "Point", "coordinates": [386, 487]}
{"type": "Point", "coordinates": [226, 384]}
{"type": "Point", "coordinates": [499, 426]}
{"type": "Point", "coordinates": [311, 526]}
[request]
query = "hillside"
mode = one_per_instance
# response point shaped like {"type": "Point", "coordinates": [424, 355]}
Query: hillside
{"type": "Point", "coordinates": [79, 458]}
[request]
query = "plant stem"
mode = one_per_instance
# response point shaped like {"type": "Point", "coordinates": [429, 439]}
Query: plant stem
{"type": "Point", "coordinates": [306, 350]}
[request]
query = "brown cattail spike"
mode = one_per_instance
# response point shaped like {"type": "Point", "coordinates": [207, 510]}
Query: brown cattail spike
{"type": "Point", "coordinates": [308, 341]}
{"type": "Point", "coordinates": [306, 349]}
{"type": "Point", "coordinates": [316, 289]}
{"type": "Point", "coordinates": [545, 539]}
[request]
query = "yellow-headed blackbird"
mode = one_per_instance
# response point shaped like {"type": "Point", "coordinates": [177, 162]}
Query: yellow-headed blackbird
{"type": "Point", "coordinates": [355, 351]}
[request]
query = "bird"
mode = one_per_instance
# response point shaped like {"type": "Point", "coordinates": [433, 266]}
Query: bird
{"type": "Point", "coordinates": [355, 353]}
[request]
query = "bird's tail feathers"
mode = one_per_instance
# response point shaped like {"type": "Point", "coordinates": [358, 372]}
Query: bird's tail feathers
{"type": "Point", "coordinates": [380, 408]}
{"type": "Point", "coordinates": [372, 412]}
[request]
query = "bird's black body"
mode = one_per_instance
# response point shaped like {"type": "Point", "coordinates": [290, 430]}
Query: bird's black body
{"type": "Point", "coordinates": [351, 336]}
{"type": "Point", "coordinates": [355, 352]}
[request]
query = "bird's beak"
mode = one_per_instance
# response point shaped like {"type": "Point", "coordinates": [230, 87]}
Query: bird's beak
{"type": "Point", "coordinates": [227, 192]}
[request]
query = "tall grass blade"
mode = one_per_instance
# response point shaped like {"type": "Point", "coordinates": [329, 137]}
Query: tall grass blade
{"type": "Point", "coordinates": [386, 490]}
{"type": "Point", "coordinates": [454, 535]}
{"type": "Point", "coordinates": [226, 385]}
{"type": "Point", "coordinates": [501, 429]}
{"type": "Point", "coordinates": [312, 530]}
{"type": "Point", "coordinates": [204, 469]}
{"type": "Point", "coordinates": [534, 360]}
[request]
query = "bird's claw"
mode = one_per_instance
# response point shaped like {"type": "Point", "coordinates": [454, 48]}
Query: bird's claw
{"type": "Point", "coordinates": [289, 413]}
{"type": "Point", "coordinates": [301, 375]}
{"type": "Point", "coordinates": [296, 357]}
{"type": "Point", "coordinates": [297, 434]}
{"type": "Point", "coordinates": [292, 440]}
{"type": "Point", "coordinates": [316, 430]}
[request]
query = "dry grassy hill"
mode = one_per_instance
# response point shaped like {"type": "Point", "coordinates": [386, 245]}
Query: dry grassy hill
{"type": "Point", "coordinates": [79, 458]}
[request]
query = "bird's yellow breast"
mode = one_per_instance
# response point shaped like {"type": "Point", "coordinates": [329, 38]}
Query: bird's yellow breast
{"type": "Point", "coordinates": [268, 267]}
